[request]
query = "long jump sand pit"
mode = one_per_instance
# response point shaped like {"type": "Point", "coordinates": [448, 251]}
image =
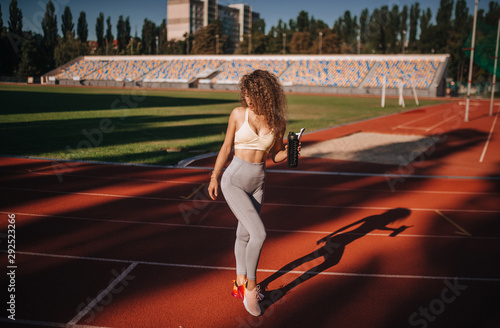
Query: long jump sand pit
{"type": "Point", "coordinates": [380, 148]}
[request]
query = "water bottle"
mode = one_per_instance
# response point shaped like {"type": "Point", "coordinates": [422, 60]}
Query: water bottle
{"type": "Point", "coordinates": [293, 153]}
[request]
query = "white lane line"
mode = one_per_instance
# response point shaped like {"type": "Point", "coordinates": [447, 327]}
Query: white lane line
{"type": "Point", "coordinates": [213, 267]}
{"type": "Point", "coordinates": [439, 192]}
{"type": "Point", "coordinates": [287, 187]}
{"type": "Point", "coordinates": [439, 123]}
{"type": "Point", "coordinates": [336, 173]}
{"type": "Point", "coordinates": [99, 297]}
{"type": "Point", "coordinates": [36, 323]}
{"type": "Point", "coordinates": [416, 120]}
{"type": "Point", "coordinates": [177, 225]}
{"type": "Point", "coordinates": [179, 182]}
{"type": "Point", "coordinates": [265, 204]}
{"type": "Point", "coordinates": [489, 137]}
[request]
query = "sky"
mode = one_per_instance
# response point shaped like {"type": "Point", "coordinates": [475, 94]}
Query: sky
{"type": "Point", "coordinates": [155, 10]}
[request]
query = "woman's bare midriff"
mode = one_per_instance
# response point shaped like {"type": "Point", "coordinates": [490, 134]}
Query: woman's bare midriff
{"type": "Point", "coordinates": [250, 155]}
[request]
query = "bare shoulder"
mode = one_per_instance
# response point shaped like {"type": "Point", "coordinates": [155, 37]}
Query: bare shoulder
{"type": "Point", "coordinates": [238, 113]}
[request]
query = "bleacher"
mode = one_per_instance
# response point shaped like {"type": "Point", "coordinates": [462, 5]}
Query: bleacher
{"type": "Point", "coordinates": [338, 73]}
{"type": "Point", "coordinates": [360, 74]}
{"type": "Point", "coordinates": [181, 70]}
{"type": "Point", "coordinates": [231, 71]}
{"type": "Point", "coordinates": [418, 73]}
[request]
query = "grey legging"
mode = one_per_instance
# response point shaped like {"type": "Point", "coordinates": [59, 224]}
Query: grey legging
{"type": "Point", "coordinates": [243, 188]}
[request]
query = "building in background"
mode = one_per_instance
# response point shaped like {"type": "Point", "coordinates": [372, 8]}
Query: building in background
{"type": "Point", "coordinates": [185, 17]}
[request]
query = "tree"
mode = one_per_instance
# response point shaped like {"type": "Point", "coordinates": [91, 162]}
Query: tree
{"type": "Point", "coordinates": [461, 27]}
{"type": "Point", "coordinates": [348, 32]}
{"type": "Point", "coordinates": [259, 41]}
{"type": "Point", "coordinates": [393, 29]}
{"type": "Point", "coordinates": [49, 27]}
{"type": "Point", "coordinates": [301, 42]}
{"type": "Point", "coordinates": [292, 25]}
{"type": "Point", "coordinates": [1, 20]}
{"type": "Point", "coordinates": [363, 25]}
{"type": "Point", "coordinates": [338, 27]}
{"type": "Point", "coordinates": [414, 18]}
{"type": "Point", "coordinates": [443, 24]}
{"type": "Point", "coordinates": [69, 50]}
{"type": "Point", "coordinates": [493, 13]}
{"type": "Point", "coordinates": [67, 25]}
{"type": "Point", "coordinates": [32, 59]}
{"type": "Point", "coordinates": [148, 36]}
{"type": "Point", "coordinates": [109, 35]}
{"type": "Point", "coordinates": [82, 29]}
{"type": "Point", "coordinates": [403, 24]}
{"type": "Point", "coordinates": [127, 31]}
{"type": "Point", "coordinates": [303, 22]}
{"type": "Point", "coordinates": [205, 39]}
{"type": "Point", "coordinates": [120, 33]}
{"type": "Point", "coordinates": [426, 43]}
{"type": "Point", "coordinates": [331, 43]}
{"type": "Point", "coordinates": [377, 29]}
{"type": "Point", "coordinates": [15, 19]}
{"type": "Point", "coordinates": [99, 30]}
{"type": "Point", "coordinates": [163, 37]}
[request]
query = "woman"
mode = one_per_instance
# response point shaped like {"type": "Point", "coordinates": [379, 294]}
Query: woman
{"type": "Point", "coordinates": [255, 129]}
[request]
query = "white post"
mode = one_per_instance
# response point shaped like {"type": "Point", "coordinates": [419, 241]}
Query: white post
{"type": "Point", "coordinates": [471, 63]}
{"type": "Point", "coordinates": [401, 100]}
{"type": "Point", "coordinates": [494, 72]}
{"type": "Point", "coordinates": [415, 95]}
{"type": "Point", "coordinates": [383, 92]}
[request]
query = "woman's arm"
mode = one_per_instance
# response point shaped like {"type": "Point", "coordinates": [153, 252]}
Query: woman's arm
{"type": "Point", "coordinates": [224, 152]}
{"type": "Point", "coordinates": [279, 152]}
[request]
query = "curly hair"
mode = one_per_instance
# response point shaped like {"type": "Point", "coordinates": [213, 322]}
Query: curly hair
{"type": "Point", "coordinates": [268, 98]}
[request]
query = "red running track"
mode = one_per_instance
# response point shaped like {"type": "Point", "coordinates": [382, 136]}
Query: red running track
{"type": "Point", "coordinates": [415, 245]}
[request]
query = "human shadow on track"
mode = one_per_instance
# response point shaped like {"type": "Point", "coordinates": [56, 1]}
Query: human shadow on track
{"type": "Point", "coordinates": [332, 251]}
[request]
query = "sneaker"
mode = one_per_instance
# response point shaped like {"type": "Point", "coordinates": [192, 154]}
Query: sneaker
{"type": "Point", "coordinates": [238, 291]}
{"type": "Point", "coordinates": [251, 300]}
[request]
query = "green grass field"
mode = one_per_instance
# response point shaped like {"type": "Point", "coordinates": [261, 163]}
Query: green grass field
{"type": "Point", "coordinates": [148, 126]}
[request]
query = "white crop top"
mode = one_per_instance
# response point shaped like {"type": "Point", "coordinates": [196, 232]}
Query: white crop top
{"type": "Point", "coordinates": [246, 138]}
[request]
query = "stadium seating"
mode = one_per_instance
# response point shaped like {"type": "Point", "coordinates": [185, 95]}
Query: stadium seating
{"type": "Point", "coordinates": [314, 71]}
{"type": "Point", "coordinates": [123, 70]}
{"type": "Point", "coordinates": [181, 70]}
{"type": "Point", "coordinates": [81, 69]}
{"type": "Point", "coordinates": [417, 73]}
{"type": "Point", "coordinates": [338, 73]}
{"type": "Point", "coordinates": [232, 71]}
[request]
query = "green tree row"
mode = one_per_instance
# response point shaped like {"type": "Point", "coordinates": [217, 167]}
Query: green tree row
{"type": "Point", "coordinates": [386, 30]}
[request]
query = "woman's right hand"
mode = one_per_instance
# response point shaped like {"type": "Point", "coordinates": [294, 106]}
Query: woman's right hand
{"type": "Point", "coordinates": [213, 188]}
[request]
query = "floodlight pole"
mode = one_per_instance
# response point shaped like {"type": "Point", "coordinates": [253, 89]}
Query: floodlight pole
{"type": "Point", "coordinates": [494, 72]}
{"type": "Point", "coordinates": [471, 63]}
{"type": "Point", "coordinates": [320, 42]}
{"type": "Point", "coordinates": [404, 35]}
{"type": "Point", "coordinates": [249, 43]}
{"type": "Point", "coordinates": [217, 44]}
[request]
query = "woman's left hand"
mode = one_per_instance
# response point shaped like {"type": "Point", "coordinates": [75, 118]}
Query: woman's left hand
{"type": "Point", "coordinates": [298, 148]}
